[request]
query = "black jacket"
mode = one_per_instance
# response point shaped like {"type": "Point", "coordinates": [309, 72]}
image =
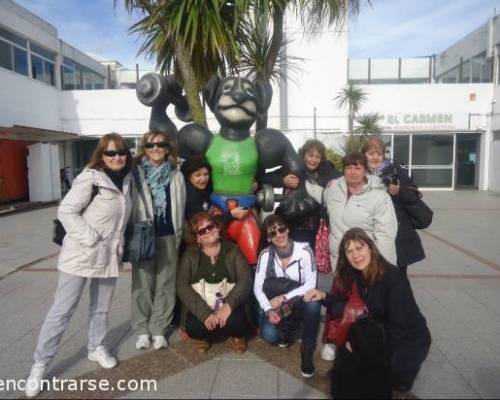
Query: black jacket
{"type": "Point", "coordinates": [309, 222]}
{"type": "Point", "coordinates": [196, 200]}
{"type": "Point", "coordinates": [408, 245]}
{"type": "Point", "coordinates": [391, 302]}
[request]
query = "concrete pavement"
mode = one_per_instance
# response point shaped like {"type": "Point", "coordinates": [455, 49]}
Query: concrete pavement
{"type": "Point", "coordinates": [457, 288]}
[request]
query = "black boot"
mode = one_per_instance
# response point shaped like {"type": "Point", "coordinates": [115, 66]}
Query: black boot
{"type": "Point", "coordinates": [306, 362]}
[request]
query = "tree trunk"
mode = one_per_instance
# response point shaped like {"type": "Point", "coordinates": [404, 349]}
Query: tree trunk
{"type": "Point", "coordinates": [190, 84]}
{"type": "Point", "coordinates": [189, 81]}
{"type": "Point", "coordinates": [271, 60]}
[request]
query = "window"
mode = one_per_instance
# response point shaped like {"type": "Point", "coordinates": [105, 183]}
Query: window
{"type": "Point", "coordinates": [5, 55]}
{"type": "Point", "coordinates": [78, 77]}
{"type": "Point", "coordinates": [20, 61]}
{"type": "Point", "coordinates": [43, 64]}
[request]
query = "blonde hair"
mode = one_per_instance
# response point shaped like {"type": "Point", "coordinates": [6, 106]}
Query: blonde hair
{"type": "Point", "coordinates": [172, 153]}
{"type": "Point", "coordinates": [373, 143]}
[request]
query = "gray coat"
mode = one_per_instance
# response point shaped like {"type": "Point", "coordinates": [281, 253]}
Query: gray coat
{"type": "Point", "coordinates": [93, 245]}
{"type": "Point", "coordinates": [371, 210]}
{"type": "Point", "coordinates": [144, 211]}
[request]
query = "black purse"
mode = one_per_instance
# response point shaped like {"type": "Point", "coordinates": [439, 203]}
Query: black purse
{"type": "Point", "coordinates": [58, 231]}
{"type": "Point", "coordinates": [140, 238]}
{"type": "Point", "coordinates": [419, 213]}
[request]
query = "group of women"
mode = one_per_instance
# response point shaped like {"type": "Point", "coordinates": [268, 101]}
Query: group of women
{"type": "Point", "coordinates": [215, 284]}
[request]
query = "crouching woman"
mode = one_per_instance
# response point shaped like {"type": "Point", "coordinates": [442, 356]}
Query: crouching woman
{"type": "Point", "coordinates": [389, 300]}
{"type": "Point", "coordinates": [213, 282]}
{"type": "Point", "coordinates": [286, 270]}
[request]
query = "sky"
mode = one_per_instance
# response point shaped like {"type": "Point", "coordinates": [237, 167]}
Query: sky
{"type": "Point", "coordinates": [386, 29]}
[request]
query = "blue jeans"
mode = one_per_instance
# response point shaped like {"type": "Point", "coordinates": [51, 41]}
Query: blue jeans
{"type": "Point", "coordinates": [308, 312]}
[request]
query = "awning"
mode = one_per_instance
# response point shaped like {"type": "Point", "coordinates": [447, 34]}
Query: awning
{"type": "Point", "coordinates": [18, 132]}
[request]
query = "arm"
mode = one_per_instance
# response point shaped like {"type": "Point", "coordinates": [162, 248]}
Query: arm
{"type": "Point", "coordinates": [385, 227]}
{"type": "Point", "coordinates": [239, 294]}
{"type": "Point", "coordinates": [192, 300]}
{"type": "Point", "coordinates": [260, 276]}
{"type": "Point", "coordinates": [75, 201]}
{"type": "Point", "coordinates": [193, 139]}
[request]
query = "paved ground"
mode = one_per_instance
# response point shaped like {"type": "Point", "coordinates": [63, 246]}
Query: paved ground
{"type": "Point", "coordinates": [457, 288]}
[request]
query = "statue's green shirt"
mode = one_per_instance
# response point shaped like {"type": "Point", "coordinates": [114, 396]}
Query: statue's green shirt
{"type": "Point", "coordinates": [234, 164]}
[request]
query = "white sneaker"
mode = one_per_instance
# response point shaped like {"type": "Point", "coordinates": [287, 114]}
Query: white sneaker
{"type": "Point", "coordinates": [34, 381]}
{"type": "Point", "coordinates": [143, 342]}
{"type": "Point", "coordinates": [328, 352]}
{"type": "Point", "coordinates": [102, 356]}
{"type": "Point", "coordinates": [159, 342]}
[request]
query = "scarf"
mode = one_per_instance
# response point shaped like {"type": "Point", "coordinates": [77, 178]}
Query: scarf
{"type": "Point", "coordinates": [284, 253]}
{"type": "Point", "coordinates": [158, 178]}
{"type": "Point", "coordinates": [380, 169]}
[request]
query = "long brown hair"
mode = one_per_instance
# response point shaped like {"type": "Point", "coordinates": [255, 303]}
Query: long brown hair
{"type": "Point", "coordinates": [172, 152]}
{"type": "Point", "coordinates": [199, 217]}
{"type": "Point", "coordinates": [344, 272]}
{"type": "Point", "coordinates": [96, 161]}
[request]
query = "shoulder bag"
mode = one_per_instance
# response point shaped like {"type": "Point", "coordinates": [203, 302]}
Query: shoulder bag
{"type": "Point", "coordinates": [321, 249]}
{"type": "Point", "coordinates": [140, 238]}
{"type": "Point", "coordinates": [420, 214]}
{"type": "Point", "coordinates": [213, 293]}
{"type": "Point", "coordinates": [338, 328]}
{"type": "Point", "coordinates": [58, 231]}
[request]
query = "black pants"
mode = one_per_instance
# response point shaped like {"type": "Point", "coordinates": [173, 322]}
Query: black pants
{"type": "Point", "coordinates": [406, 361]}
{"type": "Point", "coordinates": [237, 325]}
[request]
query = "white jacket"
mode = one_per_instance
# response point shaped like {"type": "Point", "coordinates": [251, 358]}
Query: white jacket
{"type": "Point", "coordinates": [177, 198]}
{"type": "Point", "coordinates": [301, 268]}
{"type": "Point", "coordinates": [93, 245]}
{"type": "Point", "coordinates": [371, 210]}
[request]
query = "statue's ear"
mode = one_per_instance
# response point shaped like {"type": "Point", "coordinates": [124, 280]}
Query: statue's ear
{"type": "Point", "coordinates": [264, 95]}
{"type": "Point", "coordinates": [210, 91]}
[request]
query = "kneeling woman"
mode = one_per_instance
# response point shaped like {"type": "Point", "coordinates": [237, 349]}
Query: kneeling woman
{"type": "Point", "coordinates": [286, 270]}
{"type": "Point", "coordinates": [212, 264]}
{"type": "Point", "coordinates": [389, 300]}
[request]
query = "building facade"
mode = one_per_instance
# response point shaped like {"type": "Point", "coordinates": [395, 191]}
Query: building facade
{"type": "Point", "coordinates": [439, 112]}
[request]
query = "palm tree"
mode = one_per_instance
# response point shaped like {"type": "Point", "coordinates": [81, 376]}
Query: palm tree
{"type": "Point", "coordinates": [368, 125]}
{"type": "Point", "coordinates": [194, 38]}
{"type": "Point", "coordinates": [261, 49]}
{"type": "Point", "coordinates": [351, 96]}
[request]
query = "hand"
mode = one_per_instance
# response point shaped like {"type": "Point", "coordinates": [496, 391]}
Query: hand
{"type": "Point", "coordinates": [239, 213]}
{"type": "Point", "coordinates": [291, 181]}
{"type": "Point", "coordinates": [277, 301]}
{"type": "Point", "coordinates": [314, 295]}
{"type": "Point", "coordinates": [393, 189]}
{"type": "Point", "coordinates": [211, 322]}
{"type": "Point", "coordinates": [254, 187]}
{"type": "Point", "coordinates": [273, 317]}
{"type": "Point", "coordinates": [223, 314]}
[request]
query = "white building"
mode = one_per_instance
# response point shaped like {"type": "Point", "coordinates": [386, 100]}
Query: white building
{"type": "Point", "coordinates": [439, 112]}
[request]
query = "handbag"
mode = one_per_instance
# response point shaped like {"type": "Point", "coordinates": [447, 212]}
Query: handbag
{"type": "Point", "coordinates": [140, 238]}
{"type": "Point", "coordinates": [58, 231]}
{"type": "Point", "coordinates": [420, 214]}
{"type": "Point", "coordinates": [354, 307]}
{"type": "Point", "coordinates": [213, 293]}
{"type": "Point", "coordinates": [322, 250]}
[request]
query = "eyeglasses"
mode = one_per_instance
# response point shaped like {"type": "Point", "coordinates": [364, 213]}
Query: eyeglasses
{"type": "Point", "coordinates": [205, 230]}
{"type": "Point", "coordinates": [113, 153]}
{"type": "Point", "coordinates": [161, 145]}
{"type": "Point", "coordinates": [273, 233]}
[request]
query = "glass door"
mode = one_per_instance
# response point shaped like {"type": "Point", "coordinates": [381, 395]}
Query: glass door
{"type": "Point", "coordinates": [466, 161]}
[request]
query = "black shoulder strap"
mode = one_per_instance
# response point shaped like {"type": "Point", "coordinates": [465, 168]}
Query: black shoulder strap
{"type": "Point", "coordinates": [137, 180]}
{"type": "Point", "coordinates": [95, 192]}
{"type": "Point", "coordinates": [270, 271]}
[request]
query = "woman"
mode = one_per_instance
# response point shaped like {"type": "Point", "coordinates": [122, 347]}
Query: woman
{"type": "Point", "coordinates": [319, 171]}
{"type": "Point", "coordinates": [389, 300]}
{"type": "Point", "coordinates": [357, 200]}
{"type": "Point", "coordinates": [197, 172]}
{"type": "Point", "coordinates": [281, 312]}
{"type": "Point", "coordinates": [94, 213]}
{"type": "Point", "coordinates": [213, 261]}
{"type": "Point", "coordinates": [153, 281]}
{"type": "Point", "coordinates": [403, 191]}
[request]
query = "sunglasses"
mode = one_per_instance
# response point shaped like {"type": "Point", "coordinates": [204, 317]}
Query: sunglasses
{"type": "Point", "coordinates": [205, 230]}
{"type": "Point", "coordinates": [273, 233]}
{"type": "Point", "coordinates": [161, 145]}
{"type": "Point", "coordinates": [113, 153]}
